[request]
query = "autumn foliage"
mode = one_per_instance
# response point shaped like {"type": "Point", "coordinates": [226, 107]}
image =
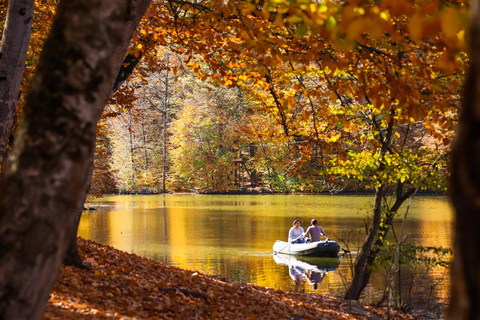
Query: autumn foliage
{"type": "Point", "coordinates": [327, 81]}
{"type": "Point", "coordinates": [126, 286]}
{"type": "Point", "coordinates": [356, 95]}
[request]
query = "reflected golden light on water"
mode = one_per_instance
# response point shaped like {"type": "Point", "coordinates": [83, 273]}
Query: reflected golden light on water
{"type": "Point", "coordinates": [121, 231]}
{"type": "Point", "coordinates": [232, 236]}
{"type": "Point", "coordinates": [432, 215]}
{"type": "Point", "coordinates": [178, 237]}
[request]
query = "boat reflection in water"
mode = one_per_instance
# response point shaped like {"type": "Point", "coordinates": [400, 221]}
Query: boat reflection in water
{"type": "Point", "coordinates": [313, 269]}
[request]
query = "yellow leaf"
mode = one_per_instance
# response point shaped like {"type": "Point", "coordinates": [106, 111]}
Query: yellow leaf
{"type": "Point", "coordinates": [385, 16]}
{"type": "Point", "coordinates": [461, 40]}
{"type": "Point", "coordinates": [360, 10]}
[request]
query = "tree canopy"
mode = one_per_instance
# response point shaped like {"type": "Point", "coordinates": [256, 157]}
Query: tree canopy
{"type": "Point", "coordinates": [296, 94]}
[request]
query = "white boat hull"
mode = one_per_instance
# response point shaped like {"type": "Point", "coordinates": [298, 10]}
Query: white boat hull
{"type": "Point", "coordinates": [313, 249]}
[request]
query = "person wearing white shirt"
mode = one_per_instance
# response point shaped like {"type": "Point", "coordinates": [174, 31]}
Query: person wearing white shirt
{"type": "Point", "coordinates": [296, 233]}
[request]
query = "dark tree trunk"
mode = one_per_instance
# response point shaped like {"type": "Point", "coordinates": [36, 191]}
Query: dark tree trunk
{"type": "Point", "coordinates": [126, 69]}
{"type": "Point", "coordinates": [13, 52]}
{"type": "Point", "coordinates": [360, 282]}
{"type": "Point", "coordinates": [72, 257]}
{"type": "Point", "coordinates": [465, 190]}
{"type": "Point", "coordinates": [42, 187]}
{"type": "Point", "coordinates": [357, 285]}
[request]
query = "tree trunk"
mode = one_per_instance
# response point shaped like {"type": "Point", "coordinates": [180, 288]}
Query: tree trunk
{"type": "Point", "coordinates": [132, 152]}
{"type": "Point", "coordinates": [363, 263]}
{"type": "Point", "coordinates": [465, 190]}
{"type": "Point", "coordinates": [13, 52]}
{"type": "Point", "coordinates": [72, 257]}
{"type": "Point", "coordinates": [357, 285]}
{"type": "Point", "coordinates": [42, 187]}
{"type": "Point", "coordinates": [164, 149]}
{"type": "Point", "coordinates": [365, 260]}
{"type": "Point", "coordinates": [128, 65]}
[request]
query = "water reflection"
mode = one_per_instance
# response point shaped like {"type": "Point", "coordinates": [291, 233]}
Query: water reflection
{"type": "Point", "coordinates": [232, 236]}
{"type": "Point", "coordinates": [311, 269]}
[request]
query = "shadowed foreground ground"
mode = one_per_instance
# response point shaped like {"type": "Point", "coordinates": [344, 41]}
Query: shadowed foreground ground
{"type": "Point", "coordinates": [126, 286]}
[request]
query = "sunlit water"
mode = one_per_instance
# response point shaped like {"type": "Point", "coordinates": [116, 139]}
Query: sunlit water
{"type": "Point", "coordinates": [232, 235]}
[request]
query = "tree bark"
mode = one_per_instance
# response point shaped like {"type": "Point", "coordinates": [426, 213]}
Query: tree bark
{"type": "Point", "coordinates": [13, 52]}
{"type": "Point", "coordinates": [465, 189]}
{"type": "Point", "coordinates": [132, 152]}
{"type": "Point", "coordinates": [42, 186]}
{"type": "Point", "coordinates": [72, 257]}
{"type": "Point", "coordinates": [126, 69]}
{"type": "Point", "coordinates": [357, 285]}
{"type": "Point", "coordinates": [365, 260]}
{"type": "Point", "coordinates": [164, 147]}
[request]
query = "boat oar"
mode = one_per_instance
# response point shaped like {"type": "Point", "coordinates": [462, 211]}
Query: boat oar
{"type": "Point", "coordinates": [289, 244]}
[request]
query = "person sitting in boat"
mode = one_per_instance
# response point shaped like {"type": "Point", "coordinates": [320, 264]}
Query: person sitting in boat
{"type": "Point", "coordinates": [314, 232]}
{"type": "Point", "coordinates": [297, 274]}
{"type": "Point", "coordinates": [295, 235]}
{"type": "Point", "coordinates": [314, 278]}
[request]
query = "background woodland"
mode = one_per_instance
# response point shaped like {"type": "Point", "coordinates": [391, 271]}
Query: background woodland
{"type": "Point", "coordinates": [220, 96]}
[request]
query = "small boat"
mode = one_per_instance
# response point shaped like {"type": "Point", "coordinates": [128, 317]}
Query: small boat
{"type": "Point", "coordinates": [323, 248]}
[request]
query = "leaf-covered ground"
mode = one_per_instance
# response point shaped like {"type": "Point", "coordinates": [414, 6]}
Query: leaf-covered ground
{"type": "Point", "coordinates": [126, 286]}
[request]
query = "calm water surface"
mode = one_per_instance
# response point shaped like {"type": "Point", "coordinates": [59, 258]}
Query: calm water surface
{"type": "Point", "coordinates": [232, 236]}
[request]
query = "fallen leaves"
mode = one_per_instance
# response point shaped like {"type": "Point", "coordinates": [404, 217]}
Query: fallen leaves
{"type": "Point", "coordinates": [126, 286]}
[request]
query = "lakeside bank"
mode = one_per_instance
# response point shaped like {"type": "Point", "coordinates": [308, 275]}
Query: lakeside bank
{"type": "Point", "coordinates": [126, 286]}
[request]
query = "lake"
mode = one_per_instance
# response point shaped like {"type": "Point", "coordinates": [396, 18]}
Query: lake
{"type": "Point", "coordinates": [232, 235]}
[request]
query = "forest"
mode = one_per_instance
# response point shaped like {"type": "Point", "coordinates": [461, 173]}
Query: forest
{"type": "Point", "coordinates": [212, 96]}
{"type": "Point", "coordinates": [307, 118]}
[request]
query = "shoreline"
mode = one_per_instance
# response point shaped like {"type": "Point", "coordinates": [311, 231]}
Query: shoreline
{"type": "Point", "coordinates": [233, 193]}
{"type": "Point", "coordinates": [126, 286]}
